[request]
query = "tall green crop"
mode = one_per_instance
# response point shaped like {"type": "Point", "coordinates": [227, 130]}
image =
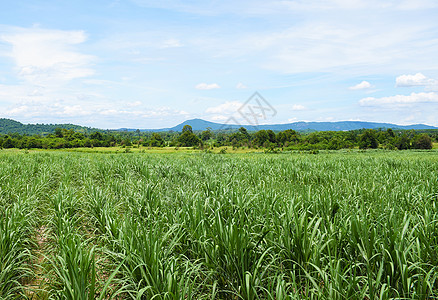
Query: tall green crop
{"type": "Point", "coordinates": [336, 225]}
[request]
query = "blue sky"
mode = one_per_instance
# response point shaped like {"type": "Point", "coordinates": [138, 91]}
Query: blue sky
{"type": "Point", "coordinates": [153, 64]}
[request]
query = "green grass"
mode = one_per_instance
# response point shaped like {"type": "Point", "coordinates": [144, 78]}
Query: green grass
{"type": "Point", "coordinates": [336, 225]}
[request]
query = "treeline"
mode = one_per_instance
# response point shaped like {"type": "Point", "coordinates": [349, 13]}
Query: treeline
{"type": "Point", "coordinates": [330, 140]}
{"type": "Point", "coordinates": [267, 139]}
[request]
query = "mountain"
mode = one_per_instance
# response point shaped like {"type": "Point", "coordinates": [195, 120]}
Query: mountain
{"type": "Point", "coordinates": [11, 126]}
{"type": "Point", "coordinates": [199, 124]}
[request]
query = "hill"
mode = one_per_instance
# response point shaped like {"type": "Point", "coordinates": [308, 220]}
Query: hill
{"type": "Point", "coordinates": [11, 126]}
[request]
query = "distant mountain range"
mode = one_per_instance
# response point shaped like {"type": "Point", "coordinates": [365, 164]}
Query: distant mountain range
{"type": "Point", "coordinates": [199, 124]}
{"type": "Point", "coordinates": [11, 126]}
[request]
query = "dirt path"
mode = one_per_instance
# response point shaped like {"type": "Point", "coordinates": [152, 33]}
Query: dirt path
{"type": "Point", "coordinates": [35, 288]}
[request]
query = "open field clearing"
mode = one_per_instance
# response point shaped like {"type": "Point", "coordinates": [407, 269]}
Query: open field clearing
{"type": "Point", "coordinates": [336, 225]}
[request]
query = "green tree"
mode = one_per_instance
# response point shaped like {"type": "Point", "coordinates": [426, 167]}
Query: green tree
{"type": "Point", "coordinates": [390, 132]}
{"type": "Point", "coordinates": [403, 142]}
{"type": "Point", "coordinates": [32, 142]}
{"type": "Point", "coordinates": [188, 139]}
{"type": "Point", "coordinates": [187, 128]}
{"type": "Point", "coordinates": [244, 132]}
{"type": "Point", "coordinates": [156, 140]}
{"type": "Point", "coordinates": [287, 136]}
{"type": "Point", "coordinates": [261, 137]}
{"type": "Point", "coordinates": [127, 142]}
{"type": "Point", "coordinates": [271, 136]}
{"type": "Point", "coordinates": [422, 141]}
{"type": "Point", "coordinates": [8, 143]}
{"type": "Point", "coordinates": [335, 144]}
{"type": "Point", "coordinates": [206, 135]}
{"type": "Point", "coordinates": [368, 140]}
{"type": "Point", "coordinates": [96, 136]}
{"type": "Point", "coordinates": [58, 132]}
{"type": "Point", "coordinates": [383, 137]}
{"type": "Point", "coordinates": [351, 136]}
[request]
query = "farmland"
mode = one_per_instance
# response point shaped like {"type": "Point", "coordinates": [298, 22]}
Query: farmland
{"type": "Point", "coordinates": [335, 225]}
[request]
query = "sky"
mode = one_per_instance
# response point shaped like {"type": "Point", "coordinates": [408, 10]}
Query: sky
{"type": "Point", "coordinates": [154, 64]}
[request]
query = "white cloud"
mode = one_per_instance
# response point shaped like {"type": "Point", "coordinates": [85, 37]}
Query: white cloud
{"type": "Point", "coordinates": [134, 104]}
{"type": "Point", "coordinates": [297, 107]}
{"type": "Point", "coordinates": [172, 43]}
{"type": "Point", "coordinates": [162, 111]}
{"type": "Point", "coordinates": [413, 98]}
{"type": "Point", "coordinates": [411, 80]}
{"type": "Point", "coordinates": [229, 107]}
{"type": "Point", "coordinates": [44, 56]}
{"type": "Point", "coordinates": [113, 114]}
{"type": "Point", "coordinates": [73, 111]}
{"type": "Point", "coordinates": [219, 118]}
{"type": "Point", "coordinates": [49, 105]}
{"type": "Point", "coordinates": [415, 80]}
{"type": "Point", "coordinates": [206, 86]}
{"type": "Point", "coordinates": [241, 86]}
{"type": "Point", "coordinates": [332, 41]}
{"type": "Point", "coordinates": [18, 110]}
{"type": "Point", "coordinates": [361, 86]}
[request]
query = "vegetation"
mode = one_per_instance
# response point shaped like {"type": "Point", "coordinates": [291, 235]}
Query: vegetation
{"type": "Point", "coordinates": [336, 225]}
{"type": "Point", "coordinates": [286, 140]}
{"type": "Point", "coordinates": [188, 138]}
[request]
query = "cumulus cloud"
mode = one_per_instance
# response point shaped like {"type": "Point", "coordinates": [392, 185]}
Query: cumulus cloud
{"type": "Point", "coordinates": [219, 118]}
{"type": "Point", "coordinates": [414, 80]}
{"type": "Point", "coordinates": [206, 86]}
{"type": "Point", "coordinates": [16, 111]}
{"type": "Point", "coordinates": [361, 86]}
{"type": "Point", "coordinates": [229, 107]}
{"type": "Point", "coordinates": [66, 111]}
{"type": "Point", "coordinates": [413, 98]}
{"type": "Point", "coordinates": [163, 111]}
{"type": "Point", "coordinates": [45, 56]}
{"type": "Point", "coordinates": [43, 109]}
